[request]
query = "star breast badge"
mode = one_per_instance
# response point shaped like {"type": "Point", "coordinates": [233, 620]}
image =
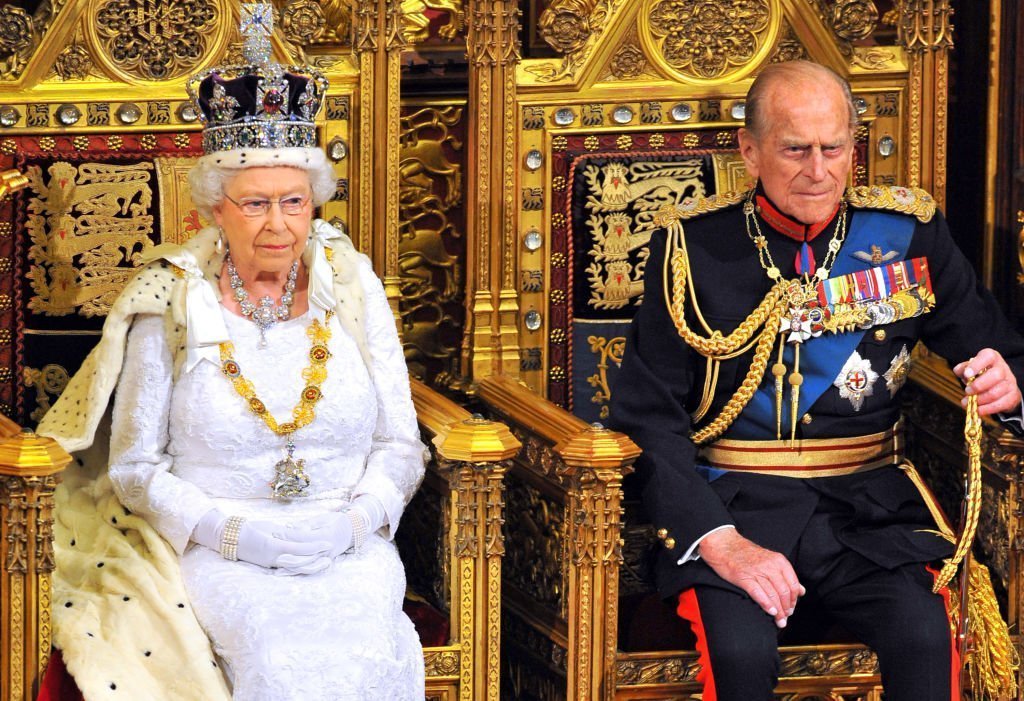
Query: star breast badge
{"type": "Point", "coordinates": [856, 380]}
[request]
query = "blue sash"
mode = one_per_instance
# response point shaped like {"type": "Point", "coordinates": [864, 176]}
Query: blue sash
{"type": "Point", "coordinates": [823, 357]}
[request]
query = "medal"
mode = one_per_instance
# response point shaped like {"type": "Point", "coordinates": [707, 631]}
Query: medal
{"type": "Point", "coordinates": [856, 380]}
{"type": "Point", "coordinates": [899, 370]}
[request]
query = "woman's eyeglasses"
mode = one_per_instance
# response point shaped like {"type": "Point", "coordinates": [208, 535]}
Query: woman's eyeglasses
{"type": "Point", "coordinates": [260, 208]}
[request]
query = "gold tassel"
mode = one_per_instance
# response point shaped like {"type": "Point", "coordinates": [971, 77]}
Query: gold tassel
{"type": "Point", "coordinates": [779, 371]}
{"type": "Point", "coordinates": [991, 659]}
{"type": "Point", "coordinates": [795, 380]}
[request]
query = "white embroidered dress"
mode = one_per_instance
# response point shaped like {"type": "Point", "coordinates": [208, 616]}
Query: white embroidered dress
{"type": "Point", "coordinates": [182, 446]}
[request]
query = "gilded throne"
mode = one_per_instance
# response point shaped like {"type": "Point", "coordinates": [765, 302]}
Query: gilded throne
{"type": "Point", "coordinates": [97, 139]}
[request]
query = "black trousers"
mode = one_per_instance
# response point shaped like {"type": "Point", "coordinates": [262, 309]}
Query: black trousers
{"type": "Point", "coordinates": [893, 611]}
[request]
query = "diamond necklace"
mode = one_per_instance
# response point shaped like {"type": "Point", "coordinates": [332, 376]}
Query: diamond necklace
{"type": "Point", "coordinates": [265, 314]}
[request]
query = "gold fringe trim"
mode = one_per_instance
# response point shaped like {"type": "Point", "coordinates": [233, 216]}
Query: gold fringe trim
{"type": "Point", "coordinates": [906, 200]}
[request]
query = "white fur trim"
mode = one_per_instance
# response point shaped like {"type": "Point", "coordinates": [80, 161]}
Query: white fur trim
{"type": "Point", "coordinates": [296, 157]}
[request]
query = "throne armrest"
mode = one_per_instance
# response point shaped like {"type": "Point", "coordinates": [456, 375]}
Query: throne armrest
{"type": "Point", "coordinates": [453, 533]}
{"type": "Point", "coordinates": [565, 527]}
{"type": "Point", "coordinates": [30, 467]}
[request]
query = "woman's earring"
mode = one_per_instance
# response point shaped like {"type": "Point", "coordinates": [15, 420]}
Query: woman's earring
{"type": "Point", "coordinates": [221, 244]}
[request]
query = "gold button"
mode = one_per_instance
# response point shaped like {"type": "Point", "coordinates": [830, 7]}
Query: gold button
{"type": "Point", "coordinates": [670, 543]}
{"type": "Point", "coordinates": [807, 419]}
{"type": "Point", "coordinates": [663, 533]}
{"type": "Point", "coordinates": [879, 334]}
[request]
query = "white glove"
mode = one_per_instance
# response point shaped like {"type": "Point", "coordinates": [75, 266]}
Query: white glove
{"type": "Point", "coordinates": [339, 527]}
{"type": "Point", "coordinates": [267, 544]}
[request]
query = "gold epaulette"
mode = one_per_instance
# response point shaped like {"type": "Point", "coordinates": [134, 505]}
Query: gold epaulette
{"type": "Point", "coordinates": [908, 200]}
{"type": "Point", "coordinates": [696, 206]}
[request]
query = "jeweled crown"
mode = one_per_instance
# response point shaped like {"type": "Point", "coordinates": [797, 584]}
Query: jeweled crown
{"type": "Point", "coordinates": [259, 104]}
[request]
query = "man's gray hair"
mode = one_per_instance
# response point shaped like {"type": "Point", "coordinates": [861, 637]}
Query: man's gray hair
{"type": "Point", "coordinates": [208, 180]}
{"type": "Point", "coordinates": [756, 121]}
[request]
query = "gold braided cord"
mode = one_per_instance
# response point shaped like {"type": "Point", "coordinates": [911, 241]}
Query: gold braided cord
{"type": "Point", "coordinates": [972, 497]}
{"type": "Point", "coordinates": [991, 658]}
{"type": "Point", "coordinates": [746, 390]}
{"type": "Point", "coordinates": [716, 347]}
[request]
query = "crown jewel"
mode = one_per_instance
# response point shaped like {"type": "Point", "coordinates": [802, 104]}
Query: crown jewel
{"type": "Point", "coordinates": [259, 104]}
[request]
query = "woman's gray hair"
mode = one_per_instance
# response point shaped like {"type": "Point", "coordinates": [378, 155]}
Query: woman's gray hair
{"type": "Point", "coordinates": [208, 179]}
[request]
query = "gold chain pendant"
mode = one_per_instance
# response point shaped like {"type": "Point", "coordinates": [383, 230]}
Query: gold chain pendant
{"type": "Point", "coordinates": [290, 478]}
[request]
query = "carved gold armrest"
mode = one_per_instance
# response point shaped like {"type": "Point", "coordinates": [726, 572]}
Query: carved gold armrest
{"type": "Point", "coordinates": [472, 455]}
{"type": "Point", "coordinates": [29, 471]}
{"type": "Point", "coordinates": [581, 466]}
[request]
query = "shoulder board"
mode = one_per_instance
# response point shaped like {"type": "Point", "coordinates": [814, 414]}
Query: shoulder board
{"type": "Point", "coordinates": [697, 206]}
{"type": "Point", "coordinates": [907, 200]}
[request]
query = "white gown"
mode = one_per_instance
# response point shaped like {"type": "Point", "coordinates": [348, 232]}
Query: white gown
{"type": "Point", "coordinates": [180, 447]}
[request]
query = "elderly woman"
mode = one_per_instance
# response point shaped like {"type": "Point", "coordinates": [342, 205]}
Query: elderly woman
{"type": "Point", "coordinates": [262, 425]}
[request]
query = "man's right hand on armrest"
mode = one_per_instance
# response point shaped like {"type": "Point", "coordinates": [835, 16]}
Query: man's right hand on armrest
{"type": "Point", "coordinates": [765, 575]}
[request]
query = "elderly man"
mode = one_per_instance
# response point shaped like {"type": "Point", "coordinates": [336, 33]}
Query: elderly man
{"type": "Point", "coordinates": [762, 377]}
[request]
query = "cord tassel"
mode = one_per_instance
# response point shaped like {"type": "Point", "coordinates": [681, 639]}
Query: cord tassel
{"type": "Point", "coordinates": [779, 371]}
{"type": "Point", "coordinates": [795, 380]}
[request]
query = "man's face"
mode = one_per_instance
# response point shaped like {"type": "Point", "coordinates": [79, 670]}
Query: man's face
{"type": "Point", "coordinates": [805, 153]}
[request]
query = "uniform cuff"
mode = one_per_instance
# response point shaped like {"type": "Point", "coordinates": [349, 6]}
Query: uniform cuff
{"type": "Point", "coordinates": [691, 553]}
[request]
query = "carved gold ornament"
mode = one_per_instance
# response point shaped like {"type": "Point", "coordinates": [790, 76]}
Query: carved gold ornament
{"type": "Point", "coordinates": [303, 22]}
{"type": "Point", "coordinates": [73, 63]}
{"type": "Point", "coordinates": [628, 62]}
{"type": "Point", "coordinates": [150, 40]}
{"type": "Point", "coordinates": [16, 30]}
{"type": "Point", "coordinates": [89, 226]}
{"type": "Point", "coordinates": [565, 25]}
{"type": "Point", "coordinates": [854, 19]}
{"type": "Point", "coordinates": [430, 190]}
{"type": "Point", "coordinates": [416, 22]}
{"type": "Point", "coordinates": [707, 42]}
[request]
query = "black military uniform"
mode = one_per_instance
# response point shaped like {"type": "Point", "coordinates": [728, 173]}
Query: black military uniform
{"type": "Point", "coordinates": [856, 541]}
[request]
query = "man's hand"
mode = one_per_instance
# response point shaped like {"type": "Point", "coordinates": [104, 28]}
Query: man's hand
{"type": "Point", "coordinates": [994, 382]}
{"type": "Point", "coordinates": [765, 575]}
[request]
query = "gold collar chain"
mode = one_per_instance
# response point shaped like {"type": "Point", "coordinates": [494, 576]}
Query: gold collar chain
{"type": "Point", "coordinates": [765, 256]}
{"type": "Point", "coordinates": [798, 293]}
{"type": "Point", "coordinates": [290, 479]}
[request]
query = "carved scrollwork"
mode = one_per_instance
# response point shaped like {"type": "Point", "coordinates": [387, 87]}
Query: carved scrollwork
{"type": "Point", "coordinates": [535, 535]}
{"type": "Point", "coordinates": [430, 205]}
{"type": "Point", "coordinates": [443, 663]}
{"type": "Point", "coordinates": [673, 670]}
{"type": "Point", "coordinates": [155, 41]}
{"type": "Point", "coordinates": [703, 41]}
{"type": "Point", "coordinates": [821, 663]}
